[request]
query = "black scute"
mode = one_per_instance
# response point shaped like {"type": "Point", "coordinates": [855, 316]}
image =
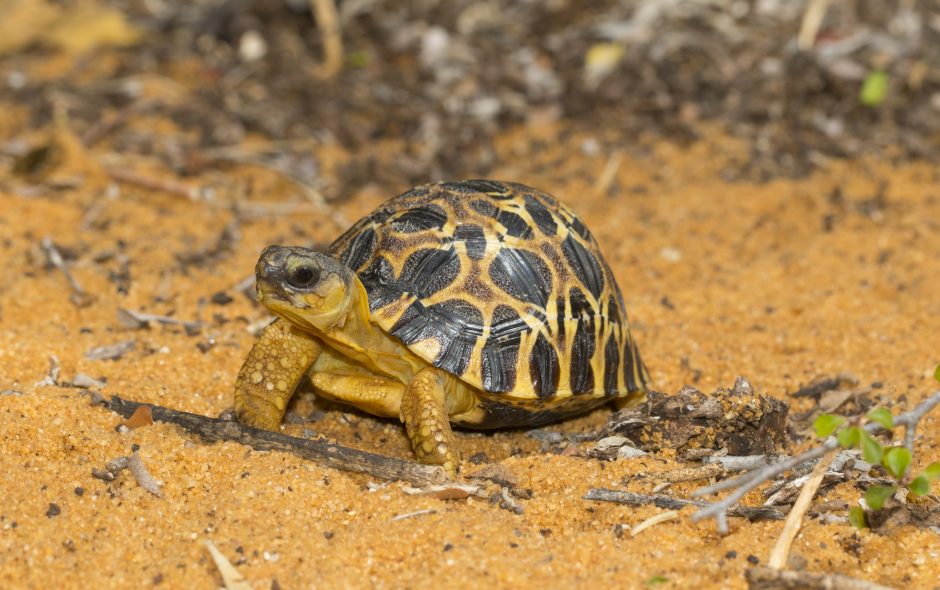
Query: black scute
{"type": "Point", "coordinates": [514, 224]}
{"type": "Point", "coordinates": [476, 185]}
{"type": "Point", "coordinates": [543, 368]}
{"type": "Point", "coordinates": [455, 324]}
{"type": "Point", "coordinates": [472, 235]}
{"type": "Point", "coordinates": [501, 350]}
{"type": "Point", "coordinates": [378, 279]}
{"type": "Point", "coordinates": [585, 266]}
{"type": "Point", "coordinates": [582, 349]}
{"type": "Point", "coordinates": [419, 219]}
{"type": "Point", "coordinates": [360, 250]}
{"type": "Point", "coordinates": [578, 226]}
{"type": "Point", "coordinates": [429, 270]}
{"type": "Point", "coordinates": [542, 216]}
{"type": "Point", "coordinates": [484, 207]}
{"type": "Point", "coordinates": [523, 275]}
{"type": "Point", "coordinates": [611, 366]}
{"type": "Point", "coordinates": [631, 359]}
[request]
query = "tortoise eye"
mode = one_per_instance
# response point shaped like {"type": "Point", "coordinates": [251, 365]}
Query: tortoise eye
{"type": "Point", "coordinates": [303, 277]}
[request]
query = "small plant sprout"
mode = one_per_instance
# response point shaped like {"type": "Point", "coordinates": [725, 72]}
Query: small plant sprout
{"type": "Point", "coordinates": [895, 460]}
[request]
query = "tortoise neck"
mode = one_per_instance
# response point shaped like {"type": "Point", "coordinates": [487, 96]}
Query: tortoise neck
{"type": "Point", "coordinates": [357, 337]}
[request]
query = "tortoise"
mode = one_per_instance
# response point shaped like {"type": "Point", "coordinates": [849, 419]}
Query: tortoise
{"type": "Point", "coordinates": [481, 303]}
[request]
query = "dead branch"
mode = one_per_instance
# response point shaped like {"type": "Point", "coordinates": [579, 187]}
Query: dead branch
{"type": "Point", "coordinates": [765, 578]}
{"type": "Point", "coordinates": [745, 483]}
{"type": "Point", "coordinates": [320, 451]}
{"type": "Point", "coordinates": [664, 501]}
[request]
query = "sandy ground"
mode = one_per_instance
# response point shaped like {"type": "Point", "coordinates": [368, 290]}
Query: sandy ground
{"type": "Point", "coordinates": [780, 282]}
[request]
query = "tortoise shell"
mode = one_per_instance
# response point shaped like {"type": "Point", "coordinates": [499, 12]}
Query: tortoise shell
{"type": "Point", "coordinates": [499, 284]}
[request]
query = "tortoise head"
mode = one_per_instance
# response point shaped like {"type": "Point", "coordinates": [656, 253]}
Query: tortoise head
{"type": "Point", "coordinates": [307, 288]}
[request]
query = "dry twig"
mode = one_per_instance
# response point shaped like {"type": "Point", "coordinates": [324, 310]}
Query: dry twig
{"type": "Point", "coordinates": [230, 576]}
{"type": "Point", "coordinates": [413, 514]}
{"type": "Point", "coordinates": [52, 377]}
{"type": "Point", "coordinates": [153, 184]}
{"type": "Point", "coordinates": [323, 452]}
{"type": "Point", "coordinates": [137, 469]}
{"type": "Point", "coordinates": [79, 297]}
{"type": "Point", "coordinates": [766, 578]}
{"type": "Point", "coordinates": [664, 501]}
{"type": "Point", "coordinates": [328, 22]}
{"type": "Point", "coordinates": [653, 521]}
{"type": "Point", "coordinates": [778, 556]}
{"type": "Point", "coordinates": [812, 19]}
{"type": "Point", "coordinates": [106, 125]}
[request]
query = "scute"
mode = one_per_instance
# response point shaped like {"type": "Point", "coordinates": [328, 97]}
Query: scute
{"type": "Point", "coordinates": [502, 286]}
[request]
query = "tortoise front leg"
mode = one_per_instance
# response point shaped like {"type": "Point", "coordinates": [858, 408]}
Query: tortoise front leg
{"type": "Point", "coordinates": [270, 374]}
{"type": "Point", "coordinates": [425, 416]}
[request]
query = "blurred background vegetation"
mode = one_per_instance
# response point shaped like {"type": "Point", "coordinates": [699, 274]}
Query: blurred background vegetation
{"type": "Point", "coordinates": [800, 81]}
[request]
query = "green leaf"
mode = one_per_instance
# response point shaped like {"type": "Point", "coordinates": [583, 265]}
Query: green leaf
{"type": "Point", "coordinates": [655, 581]}
{"type": "Point", "coordinates": [826, 424]}
{"type": "Point", "coordinates": [857, 517]}
{"type": "Point", "coordinates": [896, 460]}
{"type": "Point", "coordinates": [871, 449]}
{"type": "Point", "coordinates": [883, 417]}
{"type": "Point", "coordinates": [874, 89]}
{"type": "Point", "coordinates": [920, 486]}
{"type": "Point", "coordinates": [932, 472]}
{"type": "Point", "coordinates": [875, 496]}
{"type": "Point", "coordinates": [848, 437]}
{"type": "Point", "coordinates": [936, 373]}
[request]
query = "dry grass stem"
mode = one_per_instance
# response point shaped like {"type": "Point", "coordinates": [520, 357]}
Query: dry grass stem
{"type": "Point", "coordinates": [413, 514]}
{"type": "Point", "coordinates": [653, 521]}
{"type": "Point", "coordinates": [778, 556]}
{"type": "Point", "coordinates": [230, 576]}
{"type": "Point", "coordinates": [812, 19]}
{"type": "Point", "coordinates": [330, 31]}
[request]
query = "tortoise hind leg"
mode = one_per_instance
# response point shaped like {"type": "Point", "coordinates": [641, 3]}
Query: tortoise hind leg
{"type": "Point", "coordinates": [425, 416]}
{"type": "Point", "coordinates": [270, 374]}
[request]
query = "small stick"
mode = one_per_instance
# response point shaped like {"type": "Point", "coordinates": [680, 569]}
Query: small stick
{"type": "Point", "coordinates": [55, 259]}
{"type": "Point", "coordinates": [653, 521]}
{"type": "Point", "coordinates": [323, 452]}
{"type": "Point", "coordinates": [143, 477]}
{"type": "Point", "coordinates": [52, 377]}
{"type": "Point", "coordinates": [140, 319]}
{"type": "Point", "coordinates": [778, 556]}
{"type": "Point", "coordinates": [137, 469]}
{"type": "Point", "coordinates": [328, 23]}
{"type": "Point", "coordinates": [232, 579]}
{"type": "Point", "coordinates": [740, 462]}
{"type": "Point", "coordinates": [766, 577]}
{"type": "Point", "coordinates": [664, 501]}
{"type": "Point", "coordinates": [609, 172]}
{"type": "Point", "coordinates": [153, 184]}
{"type": "Point", "coordinates": [412, 514]}
{"type": "Point", "coordinates": [690, 473]}
{"type": "Point", "coordinates": [105, 126]}
{"type": "Point", "coordinates": [809, 27]}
